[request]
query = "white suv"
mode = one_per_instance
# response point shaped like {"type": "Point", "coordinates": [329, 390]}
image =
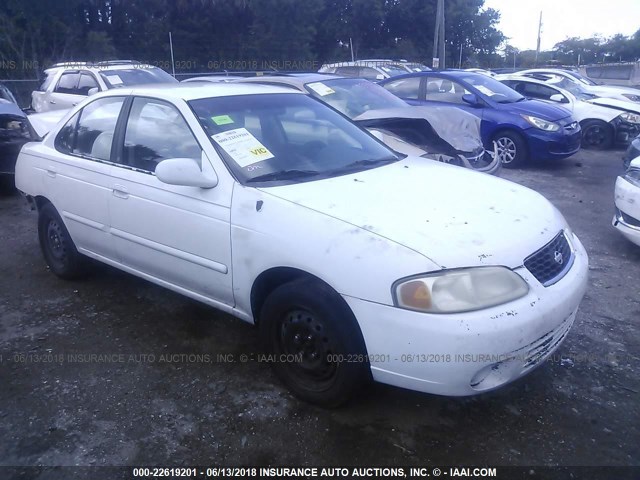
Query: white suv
{"type": "Point", "coordinates": [67, 84]}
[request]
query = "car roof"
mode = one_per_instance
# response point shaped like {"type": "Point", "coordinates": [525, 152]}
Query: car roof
{"type": "Point", "coordinates": [98, 66]}
{"type": "Point", "coordinates": [195, 90]}
{"type": "Point", "coordinates": [437, 73]}
{"type": "Point", "coordinates": [298, 81]}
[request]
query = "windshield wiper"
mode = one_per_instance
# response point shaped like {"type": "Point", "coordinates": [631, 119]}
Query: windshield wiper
{"type": "Point", "coordinates": [284, 175]}
{"type": "Point", "coordinates": [367, 163]}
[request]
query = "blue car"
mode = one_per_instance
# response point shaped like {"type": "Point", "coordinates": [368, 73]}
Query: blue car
{"type": "Point", "coordinates": [522, 129]}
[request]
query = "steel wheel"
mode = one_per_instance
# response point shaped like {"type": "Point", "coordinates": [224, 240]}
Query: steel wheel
{"type": "Point", "coordinates": [596, 134]}
{"type": "Point", "coordinates": [318, 348]}
{"type": "Point", "coordinates": [304, 335]}
{"type": "Point", "coordinates": [56, 244]}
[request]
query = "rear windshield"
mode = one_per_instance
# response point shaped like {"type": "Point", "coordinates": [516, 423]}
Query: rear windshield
{"type": "Point", "coordinates": [139, 75]}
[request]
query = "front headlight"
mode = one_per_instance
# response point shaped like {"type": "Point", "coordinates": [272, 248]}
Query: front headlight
{"type": "Point", "coordinates": [632, 96]}
{"type": "Point", "coordinates": [632, 175]}
{"type": "Point", "coordinates": [459, 290]}
{"type": "Point", "coordinates": [542, 124]}
{"type": "Point", "coordinates": [630, 117]}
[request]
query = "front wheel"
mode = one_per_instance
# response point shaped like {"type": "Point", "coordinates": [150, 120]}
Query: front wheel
{"type": "Point", "coordinates": [315, 342]}
{"type": "Point", "coordinates": [58, 248]}
{"type": "Point", "coordinates": [596, 134]}
{"type": "Point", "coordinates": [511, 149]}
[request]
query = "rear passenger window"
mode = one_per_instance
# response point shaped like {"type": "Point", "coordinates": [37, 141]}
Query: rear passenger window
{"type": "Point", "coordinates": [66, 137]}
{"type": "Point", "coordinates": [157, 131]}
{"type": "Point", "coordinates": [89, 133]}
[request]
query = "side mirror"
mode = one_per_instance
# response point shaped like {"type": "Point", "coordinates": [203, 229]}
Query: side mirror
{"type": "Point", "coordinates": [471, 99]}
{"type": "Point", "coordinates": [558, 97]}
{"type": "Point", "coordinates": [185, 172]}
{"type": "Point", "coordinates": [93, 91]}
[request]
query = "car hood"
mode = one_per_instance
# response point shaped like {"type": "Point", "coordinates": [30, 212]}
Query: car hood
{"type": "Point", "coordinates": [458, 128]}
{"type": "Point", "coordinates": [617, 104]}
{"type": "Point", "coordinates": [453, 216]}
{"type": "Point", "coordinates": [609, 89]}
{"type": "Point", "coordinates": [537, 108]}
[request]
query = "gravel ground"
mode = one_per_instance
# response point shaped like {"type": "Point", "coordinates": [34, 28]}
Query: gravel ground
{"type": "Point", "coordinates": [164, 396]}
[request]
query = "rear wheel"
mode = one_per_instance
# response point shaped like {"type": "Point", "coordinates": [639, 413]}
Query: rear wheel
{"type": "Point", "coordinates": [512, 149]}
{"type": "Point", "coordinates": [314, 341]}
{"type": "Point", "coordinates": [596, 134]}
{"type": "Point", "coordinates": [58, 248]}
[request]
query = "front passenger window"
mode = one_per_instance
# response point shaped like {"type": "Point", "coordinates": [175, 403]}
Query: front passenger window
{"type": "Point", "coordinates": [157, 131]}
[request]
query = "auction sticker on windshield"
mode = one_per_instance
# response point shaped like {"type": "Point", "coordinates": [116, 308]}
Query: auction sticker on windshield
{"type": "Point", "coordinates": [321, 89]}
{"type": "Point", "coordinates": [114, 79]}
{"type": "Point", "coordinates": [242, 146]}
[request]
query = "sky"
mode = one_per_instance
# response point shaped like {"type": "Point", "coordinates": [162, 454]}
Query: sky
{"type": "Point", "coordinates": [564, 18]}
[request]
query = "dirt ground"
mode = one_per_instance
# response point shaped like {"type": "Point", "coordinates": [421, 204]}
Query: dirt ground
{"type": "Point", "coordinates": [160, 392]}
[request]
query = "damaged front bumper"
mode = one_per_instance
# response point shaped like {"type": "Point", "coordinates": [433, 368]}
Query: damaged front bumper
{"type": "Point", "coordinates": [474, 352]}
{"type": "Point", "coordinates": [627, 217]}
{"type": "Point", "coordinates": [624, 132]}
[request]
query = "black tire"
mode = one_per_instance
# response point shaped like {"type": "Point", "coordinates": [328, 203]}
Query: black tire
{"type": "Point", "coordinates": [7, 185]}
{"type": "Point", "coordinates": [597, 135]}
{"type": "Point", "coordinates": [512, 148]}
{"type": "Point", "coordinates": [58, 248]}
{"type": "Point", "coordinates": [307, 318]}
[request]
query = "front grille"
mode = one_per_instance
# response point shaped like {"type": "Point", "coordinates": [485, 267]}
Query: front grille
{"type": "Point", "coordinates": [551, 262]}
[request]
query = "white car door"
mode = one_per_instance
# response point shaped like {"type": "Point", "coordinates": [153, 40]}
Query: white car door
{"type": "Point", "coordinates": [78, 178]}
{"type": "Point", "coordinates": [176, 235]}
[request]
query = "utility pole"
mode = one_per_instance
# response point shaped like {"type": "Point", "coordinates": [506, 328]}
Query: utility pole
{"type": "Point", "coordinates": [535, 63]}
{"type": "Point", "coordinates": [438, 38]}
{"type": "Point", "coordinates": [173, 63]}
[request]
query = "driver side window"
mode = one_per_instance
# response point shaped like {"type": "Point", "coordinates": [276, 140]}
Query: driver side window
{"type": "Point", "coordinates": [157, 131]}
{"type": "Point", "coordinates": [444, 90]}
{"type": "Point", "coordinates": [408, 88]}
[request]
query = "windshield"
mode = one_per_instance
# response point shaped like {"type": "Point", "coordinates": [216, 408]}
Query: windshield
{"type": "Point", "coordinates": [286, 138]}
{"type": "Point", "coordinates": [582, 78]}
{"type": "Point", "coordinates": [354, 96]}
{"type": "Point", "coordinates": [416, 67]}
{"type": "Point", "coordinates": [392, 69]}
{"type": "Point", "coordinates": [140, 75]}
{"type": "Point", "coordinates": [575, 88]}
{"type": "Point", "coordinates": [495, 90]}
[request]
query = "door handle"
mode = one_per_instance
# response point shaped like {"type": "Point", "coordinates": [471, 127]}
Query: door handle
{"type": "Point", "coordinates": [120, 192]}
{"type": "Point", "coordinates": [52, 102]}
{"type": "Point", "coordinates": [51, 172]}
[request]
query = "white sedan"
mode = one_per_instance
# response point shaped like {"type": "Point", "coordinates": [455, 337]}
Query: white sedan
{"type": "Point", "coordinates": [603, 126]}
{"type": "Point", "coordinates": [355, 262]}
{"type": "Point", "coordinates": [627, 198]}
